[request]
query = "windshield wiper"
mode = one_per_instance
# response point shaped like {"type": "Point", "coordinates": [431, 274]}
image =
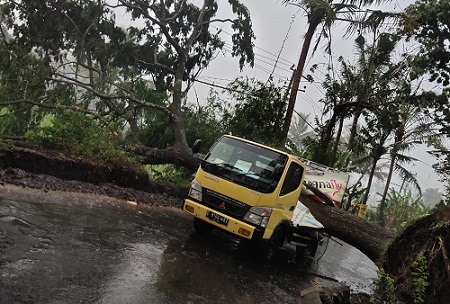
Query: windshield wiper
{"type": "Point", "coordinates": [228, 166]}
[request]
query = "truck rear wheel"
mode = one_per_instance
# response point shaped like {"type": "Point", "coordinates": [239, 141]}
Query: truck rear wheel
{"type": "Point", "coordinates": [202, 227]}
{"type": "Point", "coordinates": [306, 252]}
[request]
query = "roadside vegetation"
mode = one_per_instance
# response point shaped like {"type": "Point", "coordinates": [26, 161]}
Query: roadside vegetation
{"type": "Point", "coordinates": [72, 79]}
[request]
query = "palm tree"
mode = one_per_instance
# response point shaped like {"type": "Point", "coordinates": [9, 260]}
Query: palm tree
{"type": "Point", "coordinates": [361, 88]}
{"type": "Point", "coordinates": [370, 80]}
{"type": "Point", "coordinates": [377, 150]}
{"type": "Point", "coordinates": [318, 12]}
{"type": "Point", "coordinates": [325, 12]}
{"type": "Point", "coordinates": [412, 130]}
{"type": "Point", "coordinates": [300, 129]}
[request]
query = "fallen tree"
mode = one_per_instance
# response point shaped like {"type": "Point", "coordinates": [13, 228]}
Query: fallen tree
{"type": "Point", "coordinates": [369, 238]}
{"type": "Point", "coordinates": [73, 56]}
{"type": "Point", "coordinates": [416, 261]}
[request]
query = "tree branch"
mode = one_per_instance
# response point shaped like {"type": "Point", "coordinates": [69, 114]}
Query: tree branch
{"type": "Point", "coordinates": [107, 96]}
{"type": "Point", "coordinates": [156, 64]}
{"type": "Point", "coordinates": [142, 6]}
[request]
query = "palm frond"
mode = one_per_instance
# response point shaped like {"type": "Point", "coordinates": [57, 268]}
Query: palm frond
{"type": "Point", "coordinates": [401, 158]}
{"type": "Point", "coordinates": [407, 176]}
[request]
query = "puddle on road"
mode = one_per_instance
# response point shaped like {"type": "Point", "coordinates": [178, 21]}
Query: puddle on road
{"type": "Point", "coordinates": [212, 270]}
{"type": "Point", "coordinates": [15, 221]}
{"type": "Point", "coordinates": [345, 264]}
{"type": "Point", "coordinates": [135, 276]}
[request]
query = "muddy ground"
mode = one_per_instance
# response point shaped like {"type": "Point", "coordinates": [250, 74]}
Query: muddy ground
{"type": "Point", "coordinates": [19, 177]}
{"type": "Point", "coordinates": [52, 170]}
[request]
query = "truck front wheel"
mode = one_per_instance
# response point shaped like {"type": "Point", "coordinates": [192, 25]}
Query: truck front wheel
{"type": "Point", "coordinates": [202, 227]}
{"type": "Point", "coordinates": [272, 245]}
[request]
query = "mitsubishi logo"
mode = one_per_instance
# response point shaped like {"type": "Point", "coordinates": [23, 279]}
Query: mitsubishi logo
{"type": "Point", "coordinates": [222, 206]}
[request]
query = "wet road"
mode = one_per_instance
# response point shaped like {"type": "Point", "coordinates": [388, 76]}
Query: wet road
{"type": "Point", "coordinates": [65, 248]}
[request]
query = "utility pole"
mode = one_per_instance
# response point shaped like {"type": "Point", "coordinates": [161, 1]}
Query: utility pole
{"type": "Point", "coordinates": [313, 23]}
{"type": "Point", "coordinates": [290, 83]}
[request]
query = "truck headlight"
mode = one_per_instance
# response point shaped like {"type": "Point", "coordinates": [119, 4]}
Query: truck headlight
{"type": "Point", "coordinates": [196, 191]}
{"type": "Point", "coordinates": [258, 216]}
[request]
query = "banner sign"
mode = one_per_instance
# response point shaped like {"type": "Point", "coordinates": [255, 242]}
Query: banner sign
{"type": "Point", "coordinates": [331, 183]}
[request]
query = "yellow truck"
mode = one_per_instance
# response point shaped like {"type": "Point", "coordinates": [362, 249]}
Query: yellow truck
{"type": "Point", "coordinates": [252, 191]}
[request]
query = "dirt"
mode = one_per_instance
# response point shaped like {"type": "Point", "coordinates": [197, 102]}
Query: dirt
{"type": "Point", "coordinates": [45, 182]}
{"type": "Point", "coordinates": [428, 237]}
{"type": "Point", "coordinates": [52, 170]}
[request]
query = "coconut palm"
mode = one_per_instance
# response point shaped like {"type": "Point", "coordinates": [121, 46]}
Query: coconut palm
{"type": "Point", "coordinates": [377, 148]}
{"type": "Point", "coordinates": [413, 129]}
{"type": "Point", "coordinates": [361, 87]}
{"type": "Point", "coordinates": [300, 129]}
{"type": "Point", "coordinates": [325, 12]}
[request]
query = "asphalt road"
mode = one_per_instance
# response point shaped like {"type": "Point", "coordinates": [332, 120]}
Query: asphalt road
{"type": "Point", "coordinates": [59, 247]}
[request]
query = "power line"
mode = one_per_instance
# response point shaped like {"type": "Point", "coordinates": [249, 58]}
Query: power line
{"type": "Point", "coordinates": [311, 102]}
{"type": "Point", "coordinates": [224, 87]}
{"type": "Point", "coordinates": [266, 69]}
{"type": "Point", "coordinates": [283, 44]}
{"type": "Point", "coordinates": [306, 121]}
{"type": "Point", "coordinates": [286, 62]}
{"type": "Point", "coordinates": [218, 78]}
{"type": "Point", "coordinates": [216, 85]}
{"type": "Point", "coordinates": [228, 48]}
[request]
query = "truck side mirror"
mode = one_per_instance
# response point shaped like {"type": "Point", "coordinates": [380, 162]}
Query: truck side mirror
{"type": "Point", "coordinates": [196, 146]}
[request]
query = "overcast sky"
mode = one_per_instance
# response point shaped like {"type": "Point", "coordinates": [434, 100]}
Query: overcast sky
{"type": "Point", "coordinates": [279, 31]}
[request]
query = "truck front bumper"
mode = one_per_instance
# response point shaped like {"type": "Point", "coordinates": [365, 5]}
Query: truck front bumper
{"type": "Point", "coordinates": [222, 221]}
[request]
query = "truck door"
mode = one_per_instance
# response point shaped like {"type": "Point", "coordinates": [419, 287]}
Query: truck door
{"type": "Point", "coordinates": [291, 187]}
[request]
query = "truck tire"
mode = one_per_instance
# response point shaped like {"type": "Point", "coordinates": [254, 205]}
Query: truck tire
{"type": "Point", "coordinates": [303, 253]}
{"type": "Point", "coordinates": [202, 227]}
{"type": "Point", "coordinates": [271, 246]}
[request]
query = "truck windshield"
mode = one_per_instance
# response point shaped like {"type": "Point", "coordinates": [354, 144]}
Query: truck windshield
{"type": "Point", "coordinates": [249, 165]}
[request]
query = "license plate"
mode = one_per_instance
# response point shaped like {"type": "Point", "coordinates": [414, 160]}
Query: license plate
{"type": "Point", "coordinates": [217, 218]}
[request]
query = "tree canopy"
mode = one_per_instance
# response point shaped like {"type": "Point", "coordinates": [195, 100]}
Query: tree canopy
{"type": "Point", "coordinates": [118, 73]}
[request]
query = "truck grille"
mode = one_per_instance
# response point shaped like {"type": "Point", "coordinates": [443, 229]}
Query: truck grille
{"type": "Point", "coordinates": [224, 203]}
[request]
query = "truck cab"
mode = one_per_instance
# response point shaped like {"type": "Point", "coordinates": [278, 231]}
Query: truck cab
{"type": "Point", "coordinates": [247, 189]}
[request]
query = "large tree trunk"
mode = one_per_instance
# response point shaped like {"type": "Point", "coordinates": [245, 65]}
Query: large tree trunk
{"type": "Point", "coordinates": [154, 156]}
{"type": "Point", "coordinates": [369, 238]}
{"type": "Point", "coordinates": [353, 130]}
{"type": "Point", "coordinates": [421, 252]}
{"type": "Point", "coordinates": [297, 76]}
{"type": "Point", "coordinates": [176, 119]}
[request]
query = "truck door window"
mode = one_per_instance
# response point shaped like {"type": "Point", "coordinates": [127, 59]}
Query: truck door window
{"type": "Point", "coordinates": [292, 180]}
